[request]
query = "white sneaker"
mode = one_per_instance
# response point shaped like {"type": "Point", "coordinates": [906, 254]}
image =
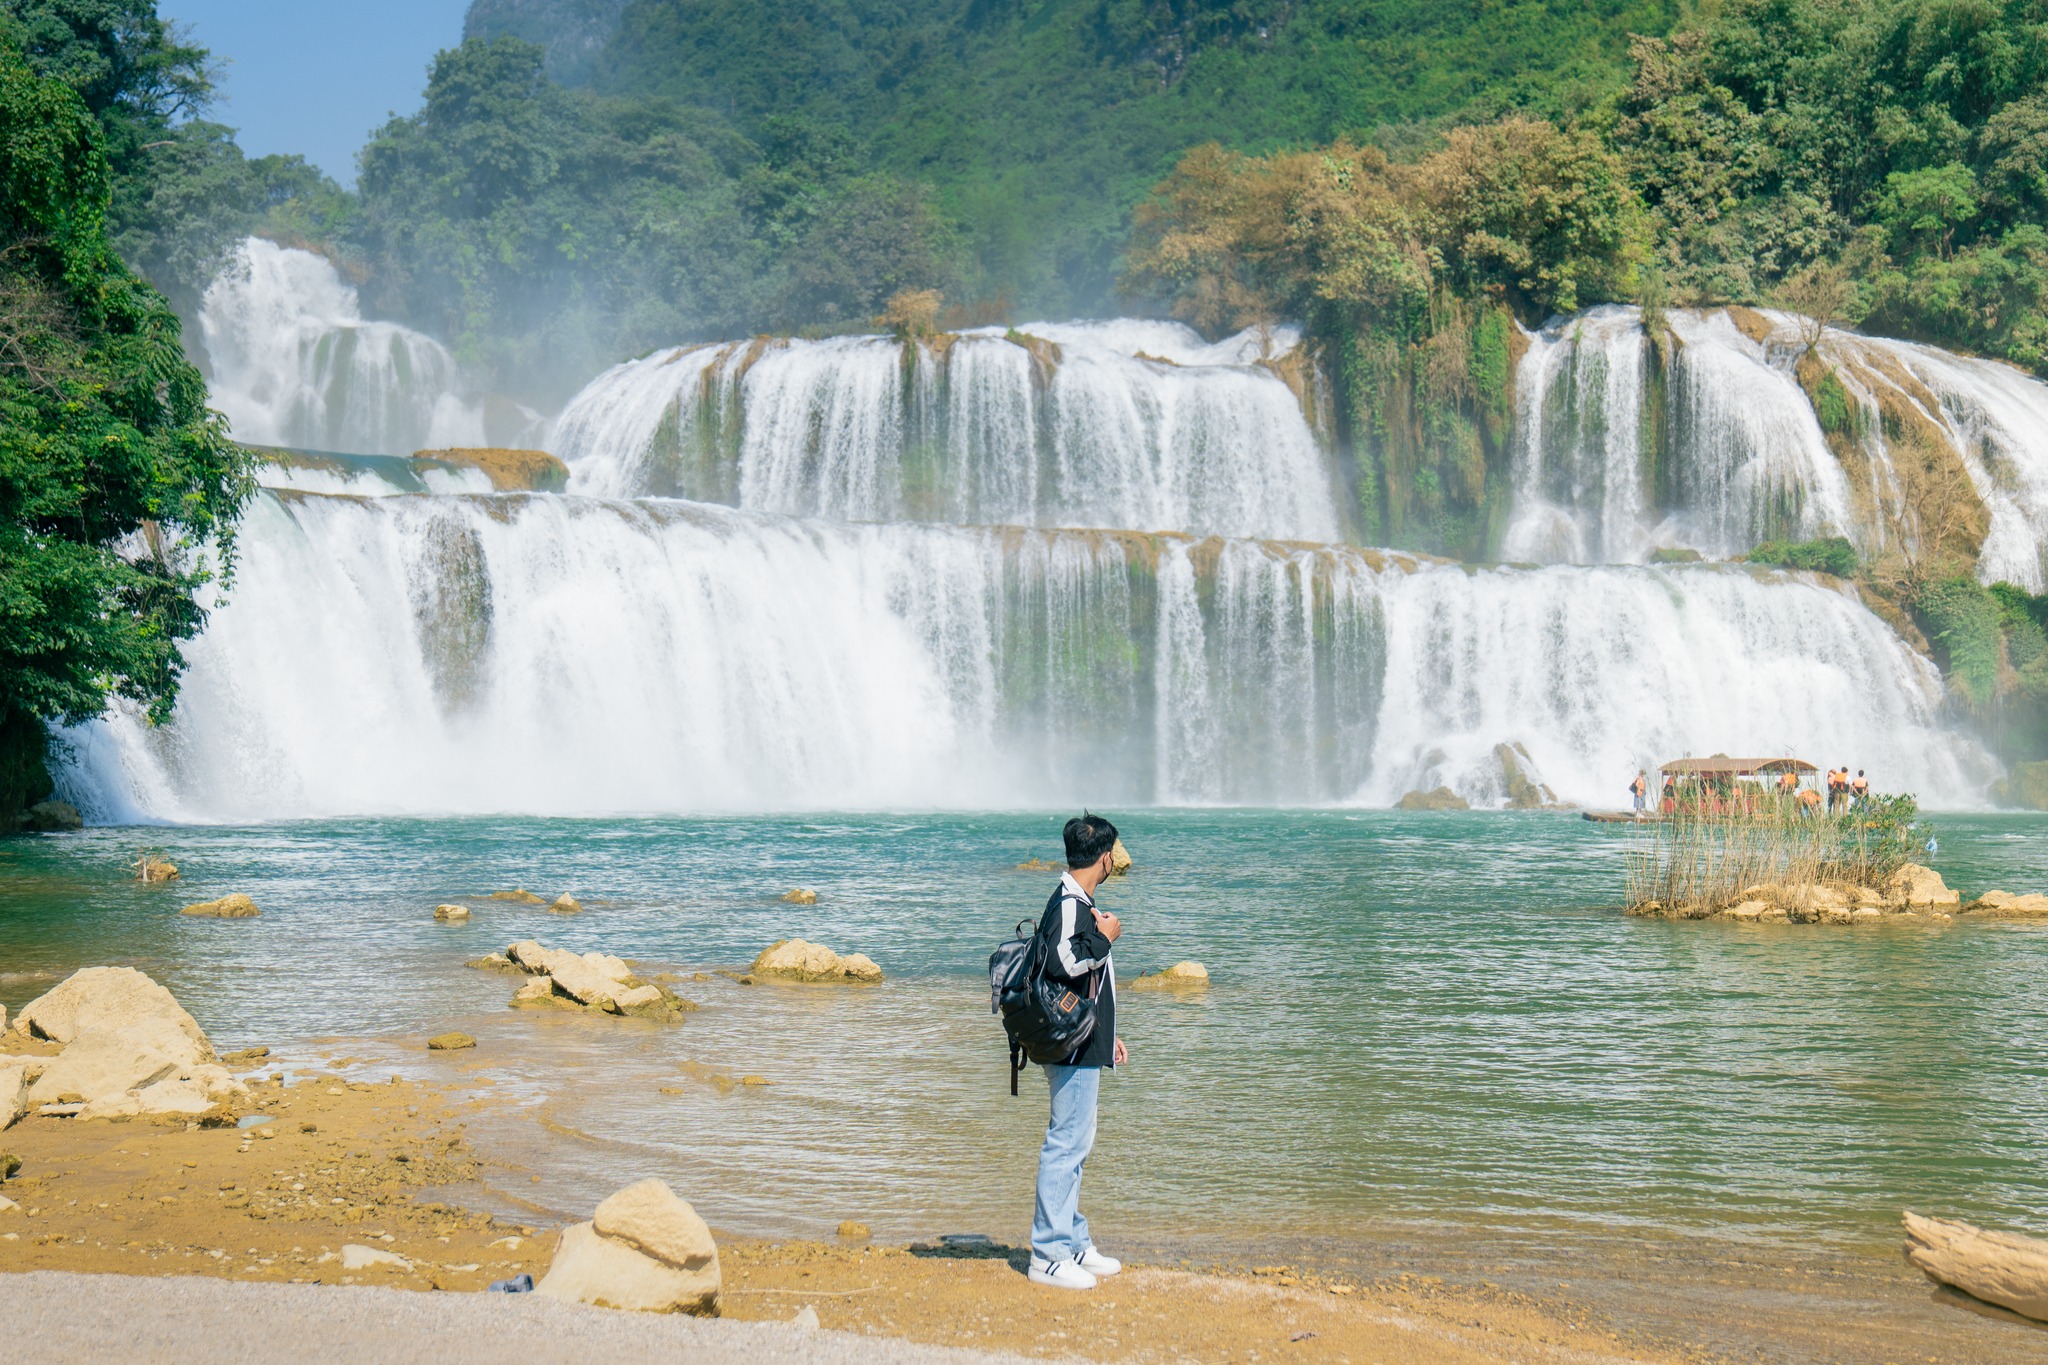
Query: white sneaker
{"type": "Point", "coordinates": [1097, 1264]}
{"type": "Point", "coordinates": [1060, 1274]}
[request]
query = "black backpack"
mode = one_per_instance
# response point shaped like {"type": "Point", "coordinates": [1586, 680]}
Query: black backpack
{"type": "Point", "coordinates": [1047, 1020]}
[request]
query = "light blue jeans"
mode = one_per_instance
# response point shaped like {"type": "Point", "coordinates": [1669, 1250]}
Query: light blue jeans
{"type": "Point", "coordinates": [1058, 1231]}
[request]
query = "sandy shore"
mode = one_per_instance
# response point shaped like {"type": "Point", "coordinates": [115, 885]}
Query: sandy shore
{"type": "Point", "coordinates": [388, 1165]}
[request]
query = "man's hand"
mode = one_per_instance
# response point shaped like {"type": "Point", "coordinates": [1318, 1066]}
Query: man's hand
{"type": "Point", "coordinates": [1109, 924]}
{"type": "Point", "coordinates": [1122, 1055]}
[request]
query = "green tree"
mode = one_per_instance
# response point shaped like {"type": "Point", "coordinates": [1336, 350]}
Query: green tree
{"type": "Point", "coordinates": [117, 486]}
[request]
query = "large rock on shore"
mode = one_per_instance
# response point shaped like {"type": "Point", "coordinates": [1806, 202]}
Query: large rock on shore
{"type": "Point", "coordinates": [1917, 886]}
{"type": "Point", "coordinates": [794, 959]}
{"type": "Point", "coordinates": [98, 999]}
{"type": "Point", "coordinates": [1998, 1267]}
{"type": "Point", "coordinates": [130, 1051]}
{"type": "Point", "coordinates": [644, 1249]}
{"type": "Point", "coordinates": [17, 1074]}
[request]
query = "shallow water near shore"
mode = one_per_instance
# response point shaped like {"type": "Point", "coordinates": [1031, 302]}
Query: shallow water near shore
{"type": "Point", "coordinates": [1417, 1021]}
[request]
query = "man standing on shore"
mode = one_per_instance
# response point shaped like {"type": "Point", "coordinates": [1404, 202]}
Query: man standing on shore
{"type": "Point", "coordinates": [1078, 937]}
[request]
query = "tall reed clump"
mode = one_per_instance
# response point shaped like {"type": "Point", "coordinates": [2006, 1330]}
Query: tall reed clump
{"type": "Point", "coordinates": [1697, 861]}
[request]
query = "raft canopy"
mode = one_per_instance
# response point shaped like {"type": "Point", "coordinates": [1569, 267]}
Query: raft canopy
{"type": "Point", "coordinates": [1720, 765]}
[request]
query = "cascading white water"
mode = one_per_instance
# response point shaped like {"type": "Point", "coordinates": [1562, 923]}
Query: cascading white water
{"type": "Point", "coordinates": [566, 654]}
{"type": "Point", "coordinates": [1745, 458]}
{"type": "Point", "coordinates": [1124, 424]}
{"type": "Point", "coordinates": [293, 363]}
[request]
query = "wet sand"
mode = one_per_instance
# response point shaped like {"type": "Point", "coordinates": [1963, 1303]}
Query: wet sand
{"type": "Point", "coordinates": [389, 1165]}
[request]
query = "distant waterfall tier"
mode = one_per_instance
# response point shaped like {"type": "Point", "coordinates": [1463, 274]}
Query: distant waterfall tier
{"type": "Point", "coordinates": [293, 362]}
{"type": "Point", "coordinates": [1119, 424]}
{"type": "Point", "coordinates": [1725, 429]}
{"type": "Point", "coordinates": [570, 655]}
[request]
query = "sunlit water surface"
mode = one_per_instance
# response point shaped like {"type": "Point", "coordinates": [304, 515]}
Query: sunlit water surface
{"type": "Point", "coordinates": [1416, 1019]}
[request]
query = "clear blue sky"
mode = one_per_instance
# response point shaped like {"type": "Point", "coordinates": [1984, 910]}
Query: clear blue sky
{"type": "Point", "coordinates": [316, 76]}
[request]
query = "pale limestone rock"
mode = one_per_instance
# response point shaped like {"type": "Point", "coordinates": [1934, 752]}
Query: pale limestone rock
{"type": "Point", "coordinates": [172, 1098]}
{"type": "Point", "coordinates": [1119, 859]}
{"type": "Point", "coordinates": [520, 897]}
{"type": "Point", "coordinates": [1998, 1267]}
{"type": "Point", "coordinates": [8, 1205]}
{"type": "Point", "coordinates": [236, 906]}
{"type": "Point", "coordinates": [793, 959]}
{"type": "Point", "coordinates": [1747, 910]}
{"type": "Point", "coordinates": [14, 1083]}
{"type": "Point", "coordinates": [573, 976]}
{"type": "Point", "coordinates": [451, 914]}
{"type": "Point", "coordinates": [859, 967]}
{"type": "Point", "coordinates": [566, 904]}
{"type": "Point", "coordinates": [1180, 976]}
{"type": "Point", "coordinates": [651, 1218]}
{"type": "Point", "coordinates": [107, 998]}
{"type": "Point", "coordinates": [3, 1018]}
{"type": "Point", "coordinates": [108, 1063]}
{"type": "Point", "coordinates": [1866, 914]}
{"type": "Point", "coordinates": [806, 1319]}
{"type": "Point", "coordinates": [2005, 905]}
{"type": "Point", "coordinates": [357, 1257]}
{"type": "Point", "coordinates": [597, 1270]}
{"type": "Point", "coordinates": [1917, 885]}
{"type": "Point", "coordinates": [450, 1042]}
{"type": "Point", "coordinates": [611, 968]}
{"type": "Point", "coordinates": [636, 997]}
{"type": "Point", "coordinates": [799, 896]}
{"type": "Point", "coordinates": [537, 991]}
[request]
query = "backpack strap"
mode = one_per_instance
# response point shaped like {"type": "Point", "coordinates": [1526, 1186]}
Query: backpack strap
{"type": "Point", "coordinates": [1016, 1066]}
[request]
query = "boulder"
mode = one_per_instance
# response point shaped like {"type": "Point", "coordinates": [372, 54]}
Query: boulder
{"type": "Point", "coordinates": [1442, 798]}
{"type": "Point", "coordinates": [175, 1097]}
{"type": "Point", "coordinates": [799, 896]}
{"type": "Point", "coordinates": [15, 1076]}
{"type": "Point", "coordinates": [589, 1268]}
{"type": "Point", "coordinates": [1119, 859]}
{"type": "Point", "coordinates": [451, 914]}
{"type": "Point", "coordinates": [494, 962]}
{"type": "Point", "coordinates": [51, 817]}
{"type": "Point", "coordinates": [1998, 1267]}
{"type": "Point", "coordinates": [1180, 976]}
{"type": "Point", "coordinates": [107, 999]}
{"type": "Point", "coordinates": [853, 1232]}
{"type": "Point", "coordinates": [107, 1063]}
{"type": "Point", "coordinates": [574, 976]}
{"type": "Point", "coordinates": [566, 904]}
{"type": "Point", "coordinates": [594, 980]}
{"type": "Point", "coordinates": [236, 906]}
{"type": "Point", "coordinates": [793, 959]}
{"type": "Point", "coordinates": [2005, 905]}
{"type": "Point", "coordinates": [652, 1219]}
{"type": "Point", "coordinates": [538, 993]}
{"type": "Point", "coordinates": [450, 1042]}
{"type": "Point", "coordinates": [1524, 786]}
{"type": "Point", "coordinates": [1914, 885]}
{"type": "Point", "coordinates": [521, 897]}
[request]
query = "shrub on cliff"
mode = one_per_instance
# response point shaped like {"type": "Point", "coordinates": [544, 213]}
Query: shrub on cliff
{"type": "Point", "coordinates": [114, 477]}
{"type": "Point", "coordinates": [1829, 554]}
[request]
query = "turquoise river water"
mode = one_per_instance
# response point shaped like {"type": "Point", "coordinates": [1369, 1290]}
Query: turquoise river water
{"type": "Point", "coordinates": [1416, 1019]}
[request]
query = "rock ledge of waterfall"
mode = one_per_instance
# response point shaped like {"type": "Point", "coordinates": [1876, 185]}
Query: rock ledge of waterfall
{"type": "Point", "coordinates": [128, 1051]}
{"type": "Point", "coordinates": [594, 982]}
{"type": "Point", "coordinates": [794, 959]}
{"type": "Point", "coordinates": [510, 471]}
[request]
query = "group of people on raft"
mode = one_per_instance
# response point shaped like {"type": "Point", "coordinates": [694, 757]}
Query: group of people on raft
{"type": "Point", "coordinates": [1719, 793]}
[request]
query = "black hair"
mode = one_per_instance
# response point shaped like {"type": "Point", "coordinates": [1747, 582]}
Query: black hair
{"type": "Point", "coordinates": [1088, 838]}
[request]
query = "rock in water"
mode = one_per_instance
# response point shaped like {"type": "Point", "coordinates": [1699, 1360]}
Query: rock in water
{"type": "Point", "coordinates": [236, 906]}
{"type": "Point", "coordinates": [450, 1042]}
{"type": "Point", "coordinates": [644, 1249]}
{"type": "Point", "coordinates": [2005, 905]}
{"type": "Point", "coordinates": [522, 896]}
{"type": "Point", "coordinates": [51, 817]}
{"type": "Point", "coordinates": [1119, 859]}
{"type": "Point", "coordinates": [1442, 798]}
{"type": "Point", "coordinates": [451, 914]}
{"type": "Point", "coordinates": [566, 904]}
{"type": "Point", "coordinates": [793, 959]}
{"type": "Point", "coordinates": [1998, 1267]}
{"type": "Point", "coordinates": [1180, 976]}
{"type": "Point", "coordinates": [799, 896]}
{"type": "Point", "coordinates": [853, 1232]}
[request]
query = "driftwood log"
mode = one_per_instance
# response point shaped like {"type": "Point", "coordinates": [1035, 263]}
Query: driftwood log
{"type": "Point", "coordinates": [1998, 1267]}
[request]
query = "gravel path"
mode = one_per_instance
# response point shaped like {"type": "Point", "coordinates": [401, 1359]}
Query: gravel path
{"type": "Point", "coordinates": [52, 1315]}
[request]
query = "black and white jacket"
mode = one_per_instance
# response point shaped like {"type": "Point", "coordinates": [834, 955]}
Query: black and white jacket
{"type": "Point", "coordinates": [1081, 957]}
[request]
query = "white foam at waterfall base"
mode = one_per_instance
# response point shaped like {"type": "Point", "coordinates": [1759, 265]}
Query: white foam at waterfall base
{"type": "Point", "coordinates": [293, 362]}
{"type": "Point", "coordinates": [563, 655]}
{"type": "Point", "coordinates": [1195, 437]}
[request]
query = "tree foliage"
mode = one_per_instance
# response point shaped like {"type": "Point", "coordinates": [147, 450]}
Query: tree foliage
{"type": "Point", "coordinates": [114, 477]}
